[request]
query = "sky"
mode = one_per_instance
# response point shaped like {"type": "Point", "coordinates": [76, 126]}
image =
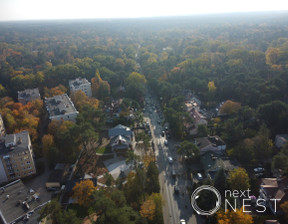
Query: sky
{"type": "Point", "coordinates": [82, 9]}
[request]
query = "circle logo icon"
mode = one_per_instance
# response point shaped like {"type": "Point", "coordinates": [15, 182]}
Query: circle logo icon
{"type": "Point", "coordinates": [195, 195]}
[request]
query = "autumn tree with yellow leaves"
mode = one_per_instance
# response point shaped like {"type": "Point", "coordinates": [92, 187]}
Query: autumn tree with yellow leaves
{"type": "Point", "coordinates": [82, 191]}
{"type": "Point", "coordinates": [234, 217]}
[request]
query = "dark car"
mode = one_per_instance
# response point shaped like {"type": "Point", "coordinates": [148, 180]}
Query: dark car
{"type": "Point", "coordinates": [51, 189]}
{"type": "Point", "coordinates": [176, 190]}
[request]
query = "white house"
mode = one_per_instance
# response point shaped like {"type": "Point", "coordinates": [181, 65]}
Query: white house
{"type": "Point", "coordinates": [120, 137]}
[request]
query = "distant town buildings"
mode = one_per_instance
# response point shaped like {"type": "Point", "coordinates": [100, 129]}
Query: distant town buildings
{"type": "Point", "coordinates": [80, 84]}
{"type": "Point", "coordinates": [28, 95]}
{"type": "Point", "coordinates": [18, 203]}
{"type": "Point", "coordinates": [16, 157]}
{"type": "Point", "coordinates": [61, 107]}
{"type": "Point", "coordinates": [120, 137]}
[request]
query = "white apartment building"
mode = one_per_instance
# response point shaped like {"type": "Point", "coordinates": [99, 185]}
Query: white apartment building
{"type": "Point", "coordinates": [16, 157]}
{"type": "Point", "coordinates": [80, 84]}
{"type": "Point", "coordinates": [61, 107]}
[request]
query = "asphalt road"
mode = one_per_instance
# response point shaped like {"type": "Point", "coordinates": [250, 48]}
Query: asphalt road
{"type": "Point", "coordinates": [176, 206]}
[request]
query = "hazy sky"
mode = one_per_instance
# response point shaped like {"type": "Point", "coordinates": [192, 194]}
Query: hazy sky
{"type": "Point", "coordinates": [74, 9]}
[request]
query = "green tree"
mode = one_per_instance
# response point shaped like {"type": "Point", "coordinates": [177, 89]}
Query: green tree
{"type": "Point", "coordinates": [152, 180]}
{"type": "Point", "coordinates": [202, 130]}
{"type": "Point", "coordinates": [135, 86]}
{"type": "Point", "coordinates": [189, 149]}
{"type": "Point", "coordinates": [220, 182]}
{"type": "Point", "coordinates": [238, 179]}
{"type": "Point", "coordinates": [54, 211]}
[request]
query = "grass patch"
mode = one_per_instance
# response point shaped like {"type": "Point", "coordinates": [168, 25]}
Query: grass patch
{"type": "Point", "coordinates": [103, 150]}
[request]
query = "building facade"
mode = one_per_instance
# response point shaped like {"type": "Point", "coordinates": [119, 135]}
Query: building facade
{"type": "Point", "coordinates": [16, 157]}
{"type": "Point", "coordinates": [80, 84]}
{"type": "Point", "coordinates": [61, 107]}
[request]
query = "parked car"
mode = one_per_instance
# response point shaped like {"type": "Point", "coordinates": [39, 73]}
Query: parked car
{"type": "Point", "coordinates": [259, 170]}
{"type": "Point", "coordinates": [199, 176]}
{"type": "Point", "coordinates": [182, 221]}
{"type": "Point", "coordinates": [51, 189]}
{"type": "Point", "coordinates": [259, 175]}
{"type": "Point", "coordinates": [176, 190]}
{"type": "Point", "coordinates": [173, 173]}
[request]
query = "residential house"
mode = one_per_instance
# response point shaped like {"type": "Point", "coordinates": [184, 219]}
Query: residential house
{"type": "Point", "coordinates": [80, 84]}
{"type": "Point", "coordinates": [193, 108]}
{"type": "Point", "coordinates": [211, 143]}
{"type": "Point", "coordinates": [280, 140]}
{"type": "Point", "coordinates": [28, 95]}
{"type": "Point", "coordinates": [120, 137]}
{"type": "Point", "coordinates": [18, 203]}
{"type": "Point", "coordinates": [61, 107]}
{"type": "Point", "coordinates": [213, 162]}
{"type": "Point", "coordinates": [16, 157]}
{"type": "Point", "coordinates": [274, 190]}
{"type": "Point", "coordinates": [2, 127]}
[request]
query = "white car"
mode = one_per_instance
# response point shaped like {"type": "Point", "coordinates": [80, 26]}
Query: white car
{"type": "Point", "coordinates": [182, 221]}
{"type": "Point", "coordinates": [170, 159]}
{"type": "Point", "coordinates": [259, 170]}
{"type": "Point", "coordinates": [166, 142]}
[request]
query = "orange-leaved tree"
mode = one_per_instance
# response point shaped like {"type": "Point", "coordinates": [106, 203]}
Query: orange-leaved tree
{"type": "Point", "coordinates": [82, 191]}
{"type": "Point", "coordinates": [234, 217]}
{"type": "Point", "coordinates": [148, 209]}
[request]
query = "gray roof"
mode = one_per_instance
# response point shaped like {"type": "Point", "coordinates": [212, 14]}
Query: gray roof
{"type": "Point", "coordinates": [78, 82]}
{"type": "Point", "coordinates": [28, 95]}
{"type": "Point", "coordinates": [12, 197]}
{"type": "Point", "coordinates": [60, 104]}
{"type": "Point", "coordinates": [120, 130]}
{"type": "Point", "coordinates": [212, 161]}
{"type": "Point", "coordinates": [210, 140]}
{"type": "Point", "coordinates": [20, 140]}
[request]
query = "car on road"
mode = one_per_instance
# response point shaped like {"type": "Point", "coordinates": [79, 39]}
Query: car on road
{"type": "Point", "coordinates": [182, 221]}
{"type": "Point", "coordinates": [170, 159]}
{"type": "Point", "coordinates": [173, 173]}
{"type": "Point", "coordinates": [166, 142]}
{"type": "Point", "coordinates": [176, 190]}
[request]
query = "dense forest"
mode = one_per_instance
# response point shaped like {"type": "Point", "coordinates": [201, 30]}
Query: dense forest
{"type": "Point", "coordinates": [242, 58]}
